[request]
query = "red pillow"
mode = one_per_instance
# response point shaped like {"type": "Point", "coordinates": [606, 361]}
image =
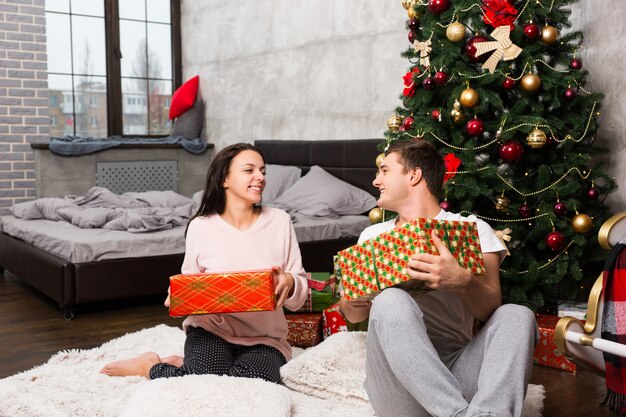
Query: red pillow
{"type": "Point", "coordinates": [184, 97]}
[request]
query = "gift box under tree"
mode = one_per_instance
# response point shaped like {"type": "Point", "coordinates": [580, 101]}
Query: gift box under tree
{"type": "Point", "coordinates": [304, 329]}
{"type": "Point", "coordinates": [381, 262]}
{"type": "Point", "coordinates": [546, 352]}
{"type": "Point", "coordinates": [321, 292]}
{"type": "Point", "coordinates": [226, 292]}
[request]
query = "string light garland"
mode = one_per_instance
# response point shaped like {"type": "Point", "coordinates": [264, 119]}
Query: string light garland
{"type": "Point", "coordinates": [538, 216]}
{"type": "Point", "coordinates": [550, 261]}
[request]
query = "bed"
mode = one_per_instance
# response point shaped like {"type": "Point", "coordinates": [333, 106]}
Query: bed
{"type": "Point", "coordinates": [71, 279]}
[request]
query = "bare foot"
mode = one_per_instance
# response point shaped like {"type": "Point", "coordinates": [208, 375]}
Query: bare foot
{"type": "Point", "coordinates": [174, 360]}
{"type": "Point", "coordinates": [137, 366]}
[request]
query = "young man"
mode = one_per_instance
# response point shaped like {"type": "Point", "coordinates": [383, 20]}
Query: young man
{"type": "Point", "coordinates": [423, 358]}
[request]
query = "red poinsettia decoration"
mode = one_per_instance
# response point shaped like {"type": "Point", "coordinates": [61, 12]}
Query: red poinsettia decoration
{"type": "Point", "coordinates": [499, 13]}
{"type": "Point", "coordinates": [409, 84]}
{"type": "Point", "coordinates": [452, 165]}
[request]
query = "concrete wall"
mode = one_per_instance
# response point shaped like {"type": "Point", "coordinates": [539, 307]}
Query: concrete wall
{"type": "Point", "coordinates": [331, 69]}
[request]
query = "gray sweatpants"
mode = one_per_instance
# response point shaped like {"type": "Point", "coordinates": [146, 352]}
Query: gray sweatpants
{"type": "Point", "coordinates": [406, 377]}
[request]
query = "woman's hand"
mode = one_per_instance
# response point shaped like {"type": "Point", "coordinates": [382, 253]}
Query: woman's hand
{"type": "Point", "coordinates": [284, 285]}
{"type": "Point", "coordinates": [167, 300]}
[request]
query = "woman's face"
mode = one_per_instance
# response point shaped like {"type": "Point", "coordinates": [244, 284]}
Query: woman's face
{"type": "Point", "coordinates": [246, 178]}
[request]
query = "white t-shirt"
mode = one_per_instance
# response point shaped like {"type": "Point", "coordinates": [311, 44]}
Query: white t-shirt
{"type": "Point", "coordinates": [449, 323]}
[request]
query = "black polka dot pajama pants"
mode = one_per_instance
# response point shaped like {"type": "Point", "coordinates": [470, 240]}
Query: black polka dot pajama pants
{"type": "Point", "coordinates": [206, 353]}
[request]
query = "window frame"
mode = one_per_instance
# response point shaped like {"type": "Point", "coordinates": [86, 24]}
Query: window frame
{"type": "Point", "coordinates": [114, 67]}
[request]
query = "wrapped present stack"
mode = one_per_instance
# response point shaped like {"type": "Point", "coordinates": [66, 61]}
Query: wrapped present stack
{"type": "Point", "coordinates": [379, 263]}
{"type": "Point", "coordinates": [546, 352]}
{"type": "Point", "coordinates": [227, 292]}
{"type": "Point", "coordinates": [322, 292]}
{"type": "Point", "coordinates": [305, 329]}
{"type": "Point", "coordinates": [305, 325]}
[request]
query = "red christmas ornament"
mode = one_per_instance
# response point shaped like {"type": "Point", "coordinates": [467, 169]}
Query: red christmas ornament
{"type": "Point", "coordinates": [452, 164]}
{"type": "Point", "coordinates": [437, 7]}
{"type": "Point", "coordinates": [445, 205]}
{"type": "Point", "coordinates": [401, 129]}
{"type": "Point", "coordinates": [414, 24]}
{"type": "Point", "coordinates": [560, 209]}
{"type": "Point", "coordinates": [555, 240]}
{"type": "Point", "coordinates": [436, 115]}
{"type": "Point", "coordinates": [475, 127]}
{"type": "Point", "coordinates": [551, 139]}
{"type": "Point", "coordinates": [511, 151]}
{"type": "Point", "coordinates": [576, 64]}
{"type": "Point", "coordinates": [508, 83]}
{"type": "Point", "coordinates": [470, 49]}
{"type": "Point", "coordinates": [569, 94]}
{"type": "Point", "coordinates": [441, 77]}
{"type": "Point", "coordinates": [532, 31]}
{"type": "Point", "coordinates": [428, 83]}
{"type": "Point", "coordinates": [525, 211]}
{"type": "Point", "coordinates": [407, 123]}
{"type": "Point", "coordinates": [593, 193]}
{"type": "Point", "coordinates": [411, 37]}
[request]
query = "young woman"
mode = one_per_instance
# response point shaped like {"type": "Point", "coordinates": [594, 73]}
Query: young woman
{"type": "Point", "coordinates": [233, 232]}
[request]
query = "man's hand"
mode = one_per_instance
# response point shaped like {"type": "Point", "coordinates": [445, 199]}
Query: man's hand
{"type": "Point", "coordinates": [284, 285]}
{"type": "Point", "coordinates": [355, 311]}
{"type": "Point", "coordinates": [439, 272]}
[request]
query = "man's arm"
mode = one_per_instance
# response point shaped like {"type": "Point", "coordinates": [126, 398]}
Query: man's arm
{"type": "Point", "coordinates": [480, 294]}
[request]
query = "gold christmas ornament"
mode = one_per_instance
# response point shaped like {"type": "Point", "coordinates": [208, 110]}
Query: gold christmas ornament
{"type": "Point", "coordinates": [531, 83]}
{"type": "Point", "coordinates": [456, 114]}
{"type": "Point", "coordinates": [379, 159]}
{"type": "Point", "coordinates": [375, 215]}
{"type": "Point", "coordinates": [469, 98]}
{"type": "Point", "coordinates": [394, 122]}
{"type": "Point", "coordinates": [536, 138]}
{"type": "Point", "coordinates": [455, 32]}
{"type": "Point", "coordinates": [549, 34]}
{"type": "Point", "coordinates": [407, 4]}
{"type": "Point", "coordinates": [502, 202]}
{"type": "Point", "coordinates": [411, 12]}
{"type": "Point", "coordinates": [581, 223]}
{"type": "Point", "coordinates": [424, 49]}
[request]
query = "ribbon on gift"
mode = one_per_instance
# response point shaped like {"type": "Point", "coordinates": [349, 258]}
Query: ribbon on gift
{"type": "Point", "coordinates": [424, 49]}
{"type": "Point", "coordinates": [503, 48]}
{"type": "Point", "coordinates": [320, 285]}
{"type": "Point", "coordinates": [504, 235]}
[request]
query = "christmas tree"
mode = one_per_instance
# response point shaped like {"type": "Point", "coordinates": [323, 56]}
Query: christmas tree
{"type": "Point", "coordinates": [498, 87]}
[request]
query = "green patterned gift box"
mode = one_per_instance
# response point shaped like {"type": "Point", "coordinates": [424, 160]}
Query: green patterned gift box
{"type": "Point", "coordinates": [381, 262]}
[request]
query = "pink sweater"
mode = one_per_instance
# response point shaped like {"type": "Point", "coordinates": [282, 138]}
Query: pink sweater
{"type": "Point", "coordinates": [213, 245]}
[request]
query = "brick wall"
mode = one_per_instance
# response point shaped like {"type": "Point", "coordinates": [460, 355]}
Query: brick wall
{"type": "Point", "coordinates": [23, 97]}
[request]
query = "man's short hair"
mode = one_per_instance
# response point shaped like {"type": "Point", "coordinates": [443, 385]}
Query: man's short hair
{"type": "Point", "coordinates": [420, 153]}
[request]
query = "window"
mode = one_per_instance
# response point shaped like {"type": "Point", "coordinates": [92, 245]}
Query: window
{"type": "Point", "coordinates": [107, 58]}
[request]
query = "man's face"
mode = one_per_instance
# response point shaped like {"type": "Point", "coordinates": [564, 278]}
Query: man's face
{"type": "Point", "coordinates": [392, 181]}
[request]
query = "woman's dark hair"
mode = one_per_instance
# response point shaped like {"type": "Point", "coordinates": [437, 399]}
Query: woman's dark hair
{"type": "Point", "coordinates": [214, 197]}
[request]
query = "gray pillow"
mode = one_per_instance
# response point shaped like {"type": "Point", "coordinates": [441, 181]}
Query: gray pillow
{"type": "Point", "coordinates": [278, 179]}
{"type": "Point", "coordinates": [189, 124]}
{"type": "Point", "coordinates": [160, 198]}
{"type": "Point", "coordinates": [319, 194]}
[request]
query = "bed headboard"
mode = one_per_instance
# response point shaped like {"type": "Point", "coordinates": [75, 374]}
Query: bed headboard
{"type": "Point", "coordinates": [353, 161]}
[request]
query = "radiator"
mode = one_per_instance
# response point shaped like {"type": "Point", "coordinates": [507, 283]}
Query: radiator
{"type": "Point", "coordinates": [137, 176]}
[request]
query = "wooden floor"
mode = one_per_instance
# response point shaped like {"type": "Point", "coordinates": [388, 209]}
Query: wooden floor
{"type": "Point", "coordinates": [32, 329]}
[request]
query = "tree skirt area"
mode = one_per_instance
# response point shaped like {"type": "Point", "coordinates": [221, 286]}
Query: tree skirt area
{"type": "Point", "coordinates": [326, 380]}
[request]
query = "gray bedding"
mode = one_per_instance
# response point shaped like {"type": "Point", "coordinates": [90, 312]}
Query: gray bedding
{"type": "Point", "coordinates": [75, 244]}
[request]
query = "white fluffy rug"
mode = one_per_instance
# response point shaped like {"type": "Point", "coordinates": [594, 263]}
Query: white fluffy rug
{"type": "Point", "coordinates": [322, 381]}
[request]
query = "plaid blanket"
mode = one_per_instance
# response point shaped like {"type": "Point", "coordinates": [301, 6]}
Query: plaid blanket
{"type": "Point", "coordinates": [614, 327]}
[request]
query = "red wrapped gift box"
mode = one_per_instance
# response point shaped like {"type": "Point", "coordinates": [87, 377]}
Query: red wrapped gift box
{"type": "Point", "coordinates": [334, 322]}
{"type": "Point", "coordinates": [379, 263]}
{"type": "Point", "coordinates": [305, 329]}
{"type": "Point", "coordinates": [546, 352]}
{"type": "Point", "coordinates": [226, 292]}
